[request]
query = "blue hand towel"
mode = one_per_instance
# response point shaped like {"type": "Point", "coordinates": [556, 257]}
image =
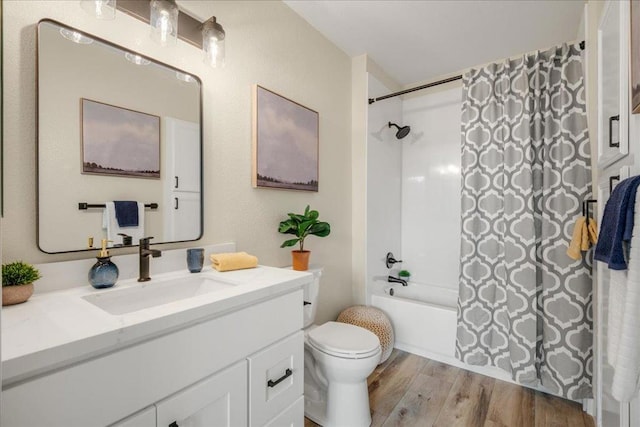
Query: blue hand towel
{"type": "Point", "coordinates": [126, 213]}
{"type": "Point", "coordinates": [617, 224]}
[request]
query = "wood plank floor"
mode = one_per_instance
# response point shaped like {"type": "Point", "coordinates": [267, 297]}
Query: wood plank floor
{"type": "Point", "coordinates": [409, 390]}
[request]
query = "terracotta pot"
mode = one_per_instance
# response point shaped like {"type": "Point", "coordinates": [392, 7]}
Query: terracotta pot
{"type": "Point", "coordinates": [300, 260]}
{"type": "Point", "coordinates": [16, 294]}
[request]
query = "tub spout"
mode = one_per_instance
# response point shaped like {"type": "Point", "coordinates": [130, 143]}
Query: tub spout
{"type": "Point", "coordinates": [392, 279]}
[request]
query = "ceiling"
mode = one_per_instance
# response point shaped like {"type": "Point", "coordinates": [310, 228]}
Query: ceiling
{"type": "Point", "coordinates": [419, 40]}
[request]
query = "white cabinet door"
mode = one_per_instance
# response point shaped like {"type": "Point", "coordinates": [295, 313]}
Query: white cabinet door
{"type": "Point", "coordinates": [183, 146]}
{"type": "Point", "coordinates": [217, 401]}
{"type": "Point", "coordinates": [293, 416]}
{"type": "Point", "coordinates": [182, 204]}
{"type": "Point", "coordinates": [183, 221]}
{"type": "Point", "coordinates": [144, 418]}
{"type": "Point", "coordinates": [634, 411]}
{"type": "Point", "coordinates": [276, 378]}
{"type": "Point", "coordinates": [613, 82]}
{"type": "Point", "coordinates": [611, 413]}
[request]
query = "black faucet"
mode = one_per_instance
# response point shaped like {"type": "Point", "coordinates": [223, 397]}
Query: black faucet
{"type": "Point", "coordinates": [144, 258]}
{"type": "Point", "coordinates": [390, 260]}
{"type": "Point", "coordinates": [392, 279]}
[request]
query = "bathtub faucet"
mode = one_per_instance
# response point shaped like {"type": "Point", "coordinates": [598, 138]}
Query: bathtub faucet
{"type": "Point", "coordinates": [392, 279]}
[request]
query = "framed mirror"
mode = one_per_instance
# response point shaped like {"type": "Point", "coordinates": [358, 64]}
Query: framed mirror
{"type": "Point", "coordinates": [119, 145]}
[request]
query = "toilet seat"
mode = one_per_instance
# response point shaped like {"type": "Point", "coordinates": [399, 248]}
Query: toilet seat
{"type": "Point", "coordinates": [344, 340]}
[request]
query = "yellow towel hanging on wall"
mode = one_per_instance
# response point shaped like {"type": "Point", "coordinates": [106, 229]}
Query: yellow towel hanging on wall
{"type": "Point", "coordinates": [585, 235]}
{"type": "Point", "coordinates": [580, 232]}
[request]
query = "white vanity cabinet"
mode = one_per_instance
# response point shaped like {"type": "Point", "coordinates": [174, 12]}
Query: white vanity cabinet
{"type": "Point", "coordinates": [220, 400]}
{"type": "Point", "coordinates": [269, 383]}
{"type": "Point", "coordinates": [241, 367]}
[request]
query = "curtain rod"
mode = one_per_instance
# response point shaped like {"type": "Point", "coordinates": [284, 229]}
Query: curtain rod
{"type": "Point", "coordinates": [428, 85]}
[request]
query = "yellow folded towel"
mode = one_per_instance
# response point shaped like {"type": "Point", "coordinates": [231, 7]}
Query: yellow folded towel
{"type": "Point", "coordinates": [577, 241]}
{"type": "Point", "coordinates": [233, 261]}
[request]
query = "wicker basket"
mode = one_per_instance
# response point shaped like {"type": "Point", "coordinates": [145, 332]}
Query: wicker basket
{"type": "Point", "coordinates": [376, 321]}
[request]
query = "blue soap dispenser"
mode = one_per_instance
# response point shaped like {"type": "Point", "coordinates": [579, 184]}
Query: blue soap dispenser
{"type": "Point", "coordinates": [104, 273]}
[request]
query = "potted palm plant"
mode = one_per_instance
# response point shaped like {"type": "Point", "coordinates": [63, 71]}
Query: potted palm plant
{"type": "Point", "coordinates": [302, 225]}
{"type": "Point", "coordinates": [17, 282]}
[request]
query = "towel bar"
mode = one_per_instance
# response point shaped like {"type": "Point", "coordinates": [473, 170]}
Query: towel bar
{"type": "Point", "coordinates": [83, 206]}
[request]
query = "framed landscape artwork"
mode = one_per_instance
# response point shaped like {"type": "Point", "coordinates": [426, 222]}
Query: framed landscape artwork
{"type": "Point", "coordinates": [285, 143]}
{"type": "Point", "coordinates": [119, 141]}
{"type": "Point", "coordinates": [635, 57]}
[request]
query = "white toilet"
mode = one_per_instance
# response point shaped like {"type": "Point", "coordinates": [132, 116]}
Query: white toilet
{"type": "Point", "coordinates": [338, 358]}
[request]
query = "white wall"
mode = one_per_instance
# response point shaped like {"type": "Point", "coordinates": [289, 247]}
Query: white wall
{"type": "Point", "coordinates": [268, 44]}
{"type": "Point", "coordinates": [431, 186]}
{"type": "Point", "coordinates": [384, 183]}
{"type": "Point", "coordinates": [361, 70]}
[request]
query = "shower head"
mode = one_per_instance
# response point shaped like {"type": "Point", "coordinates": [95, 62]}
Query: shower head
{"type": "Point", "coordinates": [402, 131]}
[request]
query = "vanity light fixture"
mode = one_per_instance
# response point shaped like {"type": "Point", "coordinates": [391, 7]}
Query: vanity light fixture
{"type": "Point", "coordinates": [136, 59]}
{"type": "Point", "coordinates": [101, 9]}
{"type": "Point", "coordinates": [213, 42]}
{"type": "Point", "coordinates": [75, 36]}
{"type": "Point", "coordinates": [163, 19]}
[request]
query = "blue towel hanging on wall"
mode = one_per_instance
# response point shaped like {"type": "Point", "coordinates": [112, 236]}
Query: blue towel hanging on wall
{"type": "Point", "coordinates": [617, 224]}
{"type": "Point", "coordinates": [126, 213]}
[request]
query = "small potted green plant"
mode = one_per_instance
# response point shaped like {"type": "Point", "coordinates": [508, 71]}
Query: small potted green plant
{"type": "Point", "coordinates": [302, 226]}
{"type": "Point", "coordinates": [404, 275]}
{"type": "Point", "coordinates": [17, 282]}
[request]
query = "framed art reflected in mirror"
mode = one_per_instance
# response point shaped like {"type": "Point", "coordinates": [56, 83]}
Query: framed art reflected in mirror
{"type": "Point", "coordinates": [119, 141]}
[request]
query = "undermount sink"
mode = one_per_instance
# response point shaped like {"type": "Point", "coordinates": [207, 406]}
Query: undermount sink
{"type": "Point", "coordinates": [154, 293]}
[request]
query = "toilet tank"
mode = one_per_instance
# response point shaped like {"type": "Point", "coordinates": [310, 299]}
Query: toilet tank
{"type": "Point", "coordinates": [310, 293]}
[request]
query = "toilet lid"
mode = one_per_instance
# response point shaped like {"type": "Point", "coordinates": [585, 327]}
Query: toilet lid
{"type": "Point", "coordinates": [344, 340]}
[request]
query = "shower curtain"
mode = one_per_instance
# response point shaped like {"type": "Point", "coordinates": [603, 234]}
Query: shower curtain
{"type": "Point", "coordinates": [524, 305]}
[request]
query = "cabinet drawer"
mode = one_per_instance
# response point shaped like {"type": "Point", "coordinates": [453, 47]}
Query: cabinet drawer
{"type": "Point", "coordinates": [293, 416]}
{"type": "Point", "coordinates": [220, 400]}
{"type": "Point", "coordinates": [276, 378]}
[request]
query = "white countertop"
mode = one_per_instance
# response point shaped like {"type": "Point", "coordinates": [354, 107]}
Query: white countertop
{"type": "Point", "coordinates": [56, 329]}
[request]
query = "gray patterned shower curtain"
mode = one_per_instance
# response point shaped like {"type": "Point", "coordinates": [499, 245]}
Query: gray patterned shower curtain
{"type": "Point", "coordinates": [524, 305]}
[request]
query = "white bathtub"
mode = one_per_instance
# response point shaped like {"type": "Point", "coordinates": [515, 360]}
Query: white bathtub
{"type": "Point", "coordinates": [424, 320]}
